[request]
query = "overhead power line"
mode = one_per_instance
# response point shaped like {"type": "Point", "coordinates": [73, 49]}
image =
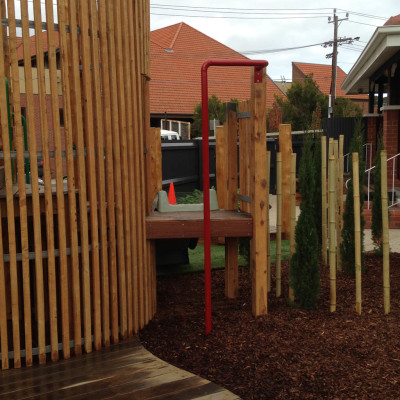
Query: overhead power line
{"type": "Point", "coordinates": [240, 17]}
{"type": "Point", "coordinates": [269, 10]}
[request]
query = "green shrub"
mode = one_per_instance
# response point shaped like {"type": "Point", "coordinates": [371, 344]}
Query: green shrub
{"type": "Point", "coordinates": [304, 268]}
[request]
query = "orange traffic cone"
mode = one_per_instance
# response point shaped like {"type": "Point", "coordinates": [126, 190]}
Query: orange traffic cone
{"type": "Point", "coordinates": [171, 194]}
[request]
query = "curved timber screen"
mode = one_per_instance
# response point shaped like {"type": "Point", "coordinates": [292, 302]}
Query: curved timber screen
{"type": "Point", "coordinates": [75, 269]}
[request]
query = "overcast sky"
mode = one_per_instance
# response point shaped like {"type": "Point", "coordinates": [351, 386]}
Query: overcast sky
{"type": "Point", "coordinates": [258, 26]}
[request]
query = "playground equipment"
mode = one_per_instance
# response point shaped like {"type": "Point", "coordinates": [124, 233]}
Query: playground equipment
{"type": "Point", "coordinates": [226, 222]}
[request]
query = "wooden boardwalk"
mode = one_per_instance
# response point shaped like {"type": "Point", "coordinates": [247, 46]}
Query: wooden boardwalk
{"type": "Point", "coordinates": [123, 371]}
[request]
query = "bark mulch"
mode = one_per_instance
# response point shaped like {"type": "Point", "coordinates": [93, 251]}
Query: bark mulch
{"type": "Point", "coordinates": [289, 353]}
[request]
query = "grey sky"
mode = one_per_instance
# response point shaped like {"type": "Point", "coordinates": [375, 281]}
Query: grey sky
{"type": "Point", "coordinates": [258, 26]}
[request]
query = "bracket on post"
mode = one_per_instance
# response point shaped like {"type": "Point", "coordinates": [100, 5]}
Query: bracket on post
{"type": "Point", "coordinates": [258, 74]}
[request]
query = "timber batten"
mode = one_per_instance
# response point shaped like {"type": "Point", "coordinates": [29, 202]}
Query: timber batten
{"type": "Point", "coordinates": [190, 224]}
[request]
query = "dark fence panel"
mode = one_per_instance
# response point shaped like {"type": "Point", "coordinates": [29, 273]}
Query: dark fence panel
{"type": "Point", "coordinates": [334, 127]}
{"type": "Point", "coordinates": [182, 160]}
{"type": "Point", "coordinates": [182, 164]}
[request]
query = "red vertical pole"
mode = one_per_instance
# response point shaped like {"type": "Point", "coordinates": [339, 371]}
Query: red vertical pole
{"type": "Point", "coordinates": [259, 65]}
{"type": "Point", "coordinates": [206, 196]}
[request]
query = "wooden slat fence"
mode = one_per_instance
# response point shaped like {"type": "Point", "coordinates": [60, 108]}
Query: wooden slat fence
{"type": "Point", "coordinates": [76, 272]}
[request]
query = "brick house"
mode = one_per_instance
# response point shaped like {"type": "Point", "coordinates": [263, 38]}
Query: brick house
{"type": "Point", "coordinates": [177, 53]}
{"type": "Point", "coordinates": [377, 72]}
{"type": "Point", "coordinates": [322, 76]}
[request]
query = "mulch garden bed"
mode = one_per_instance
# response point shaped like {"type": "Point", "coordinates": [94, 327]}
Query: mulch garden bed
{"type": "Point", "coordinates": [289, 353]}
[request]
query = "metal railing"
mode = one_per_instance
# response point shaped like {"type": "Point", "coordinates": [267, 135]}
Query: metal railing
{"type": "Point", "coordinates": [393, 200]}
{"type": "Point", "coordinates": [368, 158]}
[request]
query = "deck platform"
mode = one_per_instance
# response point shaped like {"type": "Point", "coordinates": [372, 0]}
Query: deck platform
{"type": "Point", "coordinates": [190, 224]}
{"type": "Point", "coordinates": [122, 371]}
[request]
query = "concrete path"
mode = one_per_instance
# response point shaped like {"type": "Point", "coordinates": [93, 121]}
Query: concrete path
{"type": "Point", "coordinates": [394, 234]}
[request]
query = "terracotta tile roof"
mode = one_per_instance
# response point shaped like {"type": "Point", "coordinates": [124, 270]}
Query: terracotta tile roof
{"type": "Point", "coordinates": [322, 76]}
{"type": "Point", "coordinates": [394, 20]}
{"type": "Point", "coordinates": [177, 53]}
{"type": "Point", "coordinates": [20, 47]}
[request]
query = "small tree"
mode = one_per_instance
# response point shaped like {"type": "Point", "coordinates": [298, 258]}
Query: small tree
{"type": "Point", "coordinates": [376, 226]}
{"type": "Point", "coordinates": [301, 102]}
{"type": "Point", "coordinates": [344, 107]}
{"type": "Point", "coordinates": [216, 110]}
{"type": "Point", "coordinates": [304, 268]}
{"type": "Point", "coordinates": [317, 206]}
{"type": "Point", "coordinates": [347, 247]}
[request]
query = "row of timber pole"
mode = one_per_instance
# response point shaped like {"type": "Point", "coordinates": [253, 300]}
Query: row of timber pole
{"type": "Point", "coordinates": [332, 204]}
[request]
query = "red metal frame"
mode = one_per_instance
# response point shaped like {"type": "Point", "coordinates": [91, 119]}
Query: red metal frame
{"type": "Point", "coordinates": [258, 68]}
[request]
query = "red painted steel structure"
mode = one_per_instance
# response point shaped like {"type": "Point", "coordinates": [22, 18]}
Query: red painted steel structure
{"type": "Point", "coordinates": [258, 68]}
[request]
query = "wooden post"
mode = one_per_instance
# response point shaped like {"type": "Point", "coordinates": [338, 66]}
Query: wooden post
{"type": "Point", "coordinates": [107, 124]}
{"type": "Point", "coordinates": [338, 232]}
{"type": "Point", "coordinates": [292, 212]}
{"type": "Point", "coordinates": [340, 201]}
{"type": "Point", "coordinates": [357, 229]}
{"type": "Point", "coordinates": [278, 222]}
{"type": "Point", "coordinates": [330, 149]}
{"type": "Point", "coordinates": [244, 154]}
{"type": "Point", "coordinates": [221, 164]}
{"type": "Point", "coordinates": [332, 229]}
{"type": "Point", "coordinates": [52, 284]}
{"type": "Point", "coordinates": [385, 233]}
{"type": "Point", "coordinates": [323, 200]}
{"type": "Point", "coordinates": [285, 148]}
{"type": "Point", "coordinates": [153, 166]}
{"type": "Point", "coordinates": [66, 65]}
{"type": "Point", "coordinates": [231, 244]}
{"type": "Point", "coordinates": [62, 245]}
{"type": "Point", "coordinates": [258, 198]}
{"type": "Point", "coordinates": [268, 244]}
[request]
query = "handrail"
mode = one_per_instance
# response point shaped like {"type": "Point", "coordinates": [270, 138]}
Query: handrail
{"type": "Point", "coordinates": [347, 156]}
{"type": "Point", "coordinates": [393, 203]}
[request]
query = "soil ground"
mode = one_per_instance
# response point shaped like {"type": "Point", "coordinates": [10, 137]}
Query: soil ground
{"type": "Point", "coordinates": [289, 353]}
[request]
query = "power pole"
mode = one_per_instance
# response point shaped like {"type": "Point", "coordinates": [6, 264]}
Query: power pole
{"type": "Point", "coordinates": [334, 60]}
{"type": "Point", "coordinates": [335, 43]}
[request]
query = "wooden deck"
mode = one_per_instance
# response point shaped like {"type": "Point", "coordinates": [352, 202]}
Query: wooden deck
{"type": "Point", "coordinates": [123, 371]}
{"type": "Point", "coordinates": [190, 224]}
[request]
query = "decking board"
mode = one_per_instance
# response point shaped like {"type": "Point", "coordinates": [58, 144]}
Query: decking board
{"type": "Point", "coordinates": [190, 224]}
{"type": "Point", "coordinates": [123, 371]}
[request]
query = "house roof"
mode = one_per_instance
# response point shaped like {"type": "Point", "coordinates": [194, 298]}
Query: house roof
{"type": "Point", "coordinates": [20, 45]}
{"type": "Point", "coordinates": [393, 20]}
{"type": "Point", "coordinates": [177, 53]}
{"type": "Point", "coordinates": [383, 45]}
{"type": "Point", "coordinates": [322, 76]}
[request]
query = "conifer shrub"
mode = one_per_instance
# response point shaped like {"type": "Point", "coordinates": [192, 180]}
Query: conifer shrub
{"type": "Point", "coordinates": [304, 267]}
{"type": "Point", "coordinates": [317, 204]}
{"type": "Point", "coordinates": [347, 247]}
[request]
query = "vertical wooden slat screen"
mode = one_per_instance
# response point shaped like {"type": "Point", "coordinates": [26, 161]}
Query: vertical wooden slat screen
{"type": "Point", "coordinates": [75, 267]}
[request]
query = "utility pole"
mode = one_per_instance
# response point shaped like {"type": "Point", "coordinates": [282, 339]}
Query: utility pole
{"type": "Point", "coordinates": [334, 60]}
{"type": "Point", "coordinates": [335, 43]}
